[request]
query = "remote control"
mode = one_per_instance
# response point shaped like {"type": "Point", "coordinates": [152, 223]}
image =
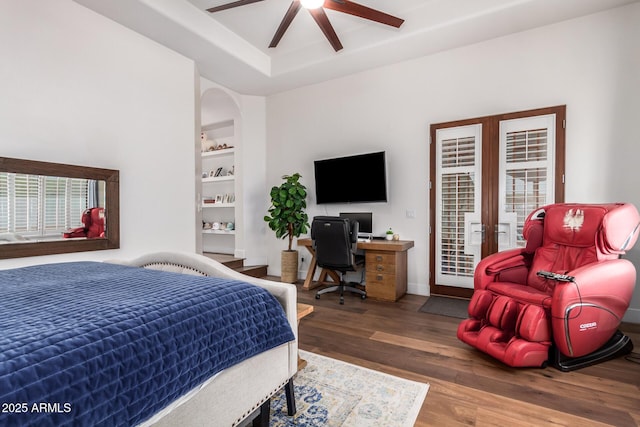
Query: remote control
{"type": "Point", "coordinates": [556, 276]}
{"type": "Point", "coordinates": [545, 274]}
{"type": "Point", "coordinates": [564, 278]}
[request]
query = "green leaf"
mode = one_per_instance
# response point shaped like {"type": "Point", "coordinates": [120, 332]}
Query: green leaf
{"type": "Point", "coordinates": [286, 213]}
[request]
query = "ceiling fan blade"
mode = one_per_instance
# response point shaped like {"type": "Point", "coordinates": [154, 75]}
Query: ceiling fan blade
{"type": "Point", "coordinates": [231, 5]}
{"type": "Point", "coordinates": [323, 22]}
{"type": "Point", "coordinates": [365, 12]}
{"type": "Point", "coordinates": [286, 21]}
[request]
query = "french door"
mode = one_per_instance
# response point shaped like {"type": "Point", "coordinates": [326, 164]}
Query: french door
{"type": "Point", "coordinates": [487, 175]}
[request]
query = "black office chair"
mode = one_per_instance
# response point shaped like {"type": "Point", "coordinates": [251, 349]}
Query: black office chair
{"type": "Point", "coordinates": [335, 241]}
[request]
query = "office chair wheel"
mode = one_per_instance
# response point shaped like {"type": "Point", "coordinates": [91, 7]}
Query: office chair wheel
{"type": "Point", "coordinates": [342, 300]}
{"type": "Point", "coordinates": [317, 296]}
{"type": "Point", "coordinates": [363, 296]}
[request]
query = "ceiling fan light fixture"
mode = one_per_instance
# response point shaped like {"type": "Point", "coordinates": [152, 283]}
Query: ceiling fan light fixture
{"type": "Point", "coordinates": [316, 9]}
{"type": "Point", "coordinates": [312, 4]}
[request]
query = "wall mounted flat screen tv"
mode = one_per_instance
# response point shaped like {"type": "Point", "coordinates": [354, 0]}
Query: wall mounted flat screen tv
{"type": "Point", "coordinates": [354, 179]}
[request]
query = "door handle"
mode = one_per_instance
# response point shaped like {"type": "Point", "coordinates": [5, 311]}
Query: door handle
{"type": "Point", "coordinates": [498, 232]}
{"type": "Point", "coordinates": [482, 230]}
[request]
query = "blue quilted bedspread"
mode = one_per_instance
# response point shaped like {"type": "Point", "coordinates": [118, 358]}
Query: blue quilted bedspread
{"type": "Point", "coordinates": [89, 344]}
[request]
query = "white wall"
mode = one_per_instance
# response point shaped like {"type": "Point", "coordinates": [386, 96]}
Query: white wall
{"type": "Point", "coordinates": [590, 64]}
{"type": "Point", "coordinates": [254, 189]}
{"type": "Point", "coordinates": [78, 88]}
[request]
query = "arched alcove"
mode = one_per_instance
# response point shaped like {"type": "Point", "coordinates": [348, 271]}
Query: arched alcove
{"type": "Point", "coordinates": [216, 106]}
{"type": "Point", "coordinates": [221, 189]}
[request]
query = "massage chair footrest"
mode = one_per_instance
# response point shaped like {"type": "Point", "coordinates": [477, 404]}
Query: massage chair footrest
{"type": "Point", "coordinates": [618, 345]}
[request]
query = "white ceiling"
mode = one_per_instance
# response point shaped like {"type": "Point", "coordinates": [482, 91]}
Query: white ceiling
{"type": "Point", "coordinates": [231, 47]}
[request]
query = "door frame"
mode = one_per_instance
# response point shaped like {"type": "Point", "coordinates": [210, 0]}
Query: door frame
{"type": "Point", "coordinates": [490, 181]}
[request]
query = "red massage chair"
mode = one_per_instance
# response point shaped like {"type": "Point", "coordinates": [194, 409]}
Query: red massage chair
{"type": "Point", "coordinates": [93, 220]}
{"type": "Point", "coordinates": [560, 299]}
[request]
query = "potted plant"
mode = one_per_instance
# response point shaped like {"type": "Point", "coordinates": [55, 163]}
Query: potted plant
{"type": "Point", "coordinates": [288, 219]}
{"type": "Point", "coordinates": [389, 235]}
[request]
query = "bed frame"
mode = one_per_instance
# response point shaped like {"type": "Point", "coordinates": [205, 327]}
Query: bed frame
{"type": "Point", "coordinates": [234, 394]}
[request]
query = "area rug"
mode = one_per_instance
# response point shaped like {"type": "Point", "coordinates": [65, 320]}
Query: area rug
{"type": "Point", "coordinates": [444, 306]}
{"type": "Point", "coordinates": [330, 392]}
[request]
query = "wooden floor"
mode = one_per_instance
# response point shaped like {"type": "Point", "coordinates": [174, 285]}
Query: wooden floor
{"type": "Point", "coordinates": [467, 388]}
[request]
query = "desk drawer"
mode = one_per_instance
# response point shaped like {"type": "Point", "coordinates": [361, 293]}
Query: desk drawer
{"type": "Point", "coordinates": [380, 286]}
{"type": "Point", "coordinates": [380, 262]}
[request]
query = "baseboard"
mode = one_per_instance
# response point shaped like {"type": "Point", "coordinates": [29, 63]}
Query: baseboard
{"type": "Point", "coordinates": [302, 274]}
{"type": "Point", "coordinates": [632, 316]}
{"type": "Point", "coordinates": [418, 289]}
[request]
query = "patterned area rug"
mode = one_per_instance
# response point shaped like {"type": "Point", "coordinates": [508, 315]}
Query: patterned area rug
{"type": "Point", "coordinates": [330, 392]}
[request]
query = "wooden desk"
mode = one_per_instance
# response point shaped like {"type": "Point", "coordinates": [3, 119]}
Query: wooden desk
{"type": "Point", "coordinates": [385, 268]}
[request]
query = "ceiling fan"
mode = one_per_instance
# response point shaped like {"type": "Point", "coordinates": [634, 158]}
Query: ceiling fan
{"type": "Point", "coordinates": [316, 8]}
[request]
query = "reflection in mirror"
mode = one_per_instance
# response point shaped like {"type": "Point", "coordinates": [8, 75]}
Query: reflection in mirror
{"type": "Point", "coordinates": [49, 208]}
{"type": "Point", "coordinates": [38, 208]}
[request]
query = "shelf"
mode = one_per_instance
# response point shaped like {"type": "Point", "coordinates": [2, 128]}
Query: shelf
{"type": "Point", "coordinates": [218, 205]}
{"type": "Point", "coordinates": [230, 232]}
{"type": "Point", "coordinates": [219, 178]}
{"type": "Point", "coordinates": [219, 134]}
{"type": "Point", "coordinates": [216, 153]}
{"type": "Point", "coordinates": [217, 125]}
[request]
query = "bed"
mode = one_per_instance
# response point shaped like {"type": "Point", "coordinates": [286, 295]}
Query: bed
{"type": "Point", "coordinates": [86, 343]}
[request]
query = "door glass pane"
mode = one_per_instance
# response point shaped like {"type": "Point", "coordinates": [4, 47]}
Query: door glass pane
{"type": "Point", "coordinates": [458, 227]}
{"type": "Point", "coordinates": [526, 169]}
{"type": "Point", "coordinates": [457, 200]}
{"type": "Point", "coordinates": [525, 191]}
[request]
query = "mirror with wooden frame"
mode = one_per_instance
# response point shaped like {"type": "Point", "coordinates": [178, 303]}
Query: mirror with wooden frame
{"type": "Point", "coordinates": [45, 208]}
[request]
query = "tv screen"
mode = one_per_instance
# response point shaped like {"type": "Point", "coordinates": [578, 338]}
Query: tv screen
{"type": "Point", "coordinates": [353, 179]}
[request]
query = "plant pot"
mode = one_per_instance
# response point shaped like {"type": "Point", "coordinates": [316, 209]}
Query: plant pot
{"type": "Point", "coordinates": [389, 236]}
{"type": "Point", "coordinates": [289, 266]}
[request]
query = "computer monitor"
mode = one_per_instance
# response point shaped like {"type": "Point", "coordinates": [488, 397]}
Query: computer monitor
{"type": "Point", "coordinates": [365, 221]}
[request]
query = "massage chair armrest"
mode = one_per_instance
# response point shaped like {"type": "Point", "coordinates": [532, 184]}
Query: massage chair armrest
{"type": "Point", "coordinates": [607, 283]}
{"type": "Point", "coordinates": [587, 312]}
{"type": "Point", "coordinates": [75, 232]}
{"type": "Point", "coordinates": [491, 266]}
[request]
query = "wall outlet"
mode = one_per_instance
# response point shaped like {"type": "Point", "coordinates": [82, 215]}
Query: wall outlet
{"type": "Point", "coordinates": [411, 213]}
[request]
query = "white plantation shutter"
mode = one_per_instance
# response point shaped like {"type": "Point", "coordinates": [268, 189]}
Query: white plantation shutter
{"type": "Point", "coordinates": [54, 203]}
{"type": "Point", "coordinates": [26, 203]}
{"type": "Point", "coordinates": [78, 191]}
{"type": "Point", "coordinates": [526, 158]}
{"type": "Point", "coordinates": [457, 203]}
{"type": "Point", "coordinates": [526, 145]}
{"type": "Point", "coordinates": [457, 200]}
{"type": "Point", "coordinates": [4, 203]}
{"type": "Point", "coordinates": [34, 205]}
